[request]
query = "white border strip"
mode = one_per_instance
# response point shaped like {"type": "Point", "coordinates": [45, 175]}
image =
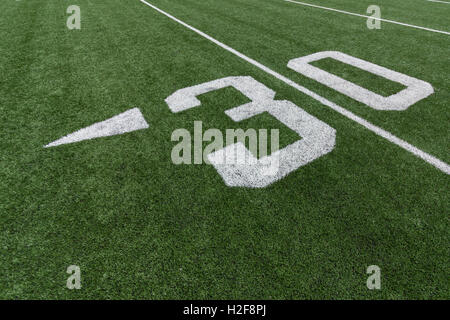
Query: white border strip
{"type": "Point", "coordinates": [444, 167]}
{"type": "Point", "coordinates": [369, 17]}
{"type": "Point", "coordinates": [439, 1]}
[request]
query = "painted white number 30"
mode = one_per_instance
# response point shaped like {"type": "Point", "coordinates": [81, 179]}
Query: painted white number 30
{"type": "Point", "coordinates": [318, 138]}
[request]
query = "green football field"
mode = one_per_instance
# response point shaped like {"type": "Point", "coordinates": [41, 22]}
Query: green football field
{"type": "Point", "coordinates": [370, 186]}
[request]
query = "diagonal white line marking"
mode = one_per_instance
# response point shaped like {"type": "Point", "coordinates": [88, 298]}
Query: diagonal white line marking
{"type": "Point", "coordinates": [439, 1]}
{"type": "Point", "coordinates": [368, 17]}
{"type": "Point", "coordinates": [444, 167]}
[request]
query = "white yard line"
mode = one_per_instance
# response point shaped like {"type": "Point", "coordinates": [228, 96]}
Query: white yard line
{"type": "Point", "coordinates": [439, 1]}
{"type": "Point", "coordinates": [368, 17]}
{"type": "Point", "coordinates": [444, 167]}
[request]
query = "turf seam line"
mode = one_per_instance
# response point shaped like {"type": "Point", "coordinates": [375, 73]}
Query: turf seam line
{"type": "Point", "coordinates": [368, 17]}
{"type": "Point", "coordinates": [439, 164]}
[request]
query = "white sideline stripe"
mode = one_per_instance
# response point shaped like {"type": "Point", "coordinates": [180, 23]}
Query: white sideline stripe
{"type": "Point", "coordinates": [439, 1]}
{"type": "Point", "coordinates": [444, 167]}
{"type": "Point", "coordinates": [369, 17]}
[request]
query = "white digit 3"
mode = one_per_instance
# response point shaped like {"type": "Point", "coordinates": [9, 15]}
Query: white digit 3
{"type": "Point", "coordinates": [318, 138]}
{"type": "Point", "coordinates": [415, 90]}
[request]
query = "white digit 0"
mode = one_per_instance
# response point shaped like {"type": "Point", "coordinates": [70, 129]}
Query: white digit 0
{"type": "Point", "coordinates": [415, 90]}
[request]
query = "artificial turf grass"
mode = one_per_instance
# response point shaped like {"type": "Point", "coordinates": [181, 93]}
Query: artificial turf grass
{"type": "Point", "coordinates": [367, 80]}
{"type": "Point", "coordinates": [140, 227]}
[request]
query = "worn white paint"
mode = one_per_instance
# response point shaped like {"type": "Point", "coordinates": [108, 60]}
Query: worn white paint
{"type": "Point", "coordinates": [446, 2]}
{"type": "Point", "coordinates": [186, 98]}
{"type": "Point", "coordinates": [235, 163]}
{"type": "Point", "coordinates": [439, 164]}
{"type": "Point", "coordinates": [127, 121]}
{"type": "Point", "coordinates": [415, 90]}
{"type": "Point", "coordinates": [317, 139]}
